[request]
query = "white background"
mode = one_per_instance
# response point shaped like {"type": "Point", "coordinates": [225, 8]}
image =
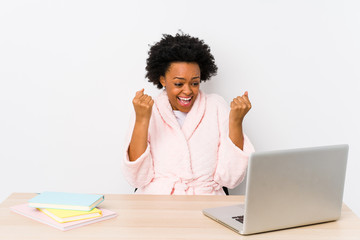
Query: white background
{"type": "Point", "coordinates": [69, 70]}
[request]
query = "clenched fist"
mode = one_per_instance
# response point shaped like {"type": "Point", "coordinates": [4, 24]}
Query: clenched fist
{"type": "Point", "coordinates": [143, 105]}
{"type": "Point", "coordinates": [240, 106]}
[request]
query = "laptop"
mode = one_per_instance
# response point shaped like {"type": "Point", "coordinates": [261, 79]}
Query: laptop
{"type": "Point", "coordinates": [288, 188]}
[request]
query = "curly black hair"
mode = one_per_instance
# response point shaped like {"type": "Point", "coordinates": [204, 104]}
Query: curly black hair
{"type": "Point", "coordinates": [179, 48]}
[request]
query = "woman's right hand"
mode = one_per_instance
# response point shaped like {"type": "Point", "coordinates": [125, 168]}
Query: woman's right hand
{"type": "Point", "coordinates": [143, 106]}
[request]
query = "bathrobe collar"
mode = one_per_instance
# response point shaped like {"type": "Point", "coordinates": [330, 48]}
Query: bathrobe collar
{"type": "Point", "coordinates": [193, 117]}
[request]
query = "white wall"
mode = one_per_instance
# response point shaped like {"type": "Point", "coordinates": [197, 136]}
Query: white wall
{"type": "Point", "coordinates": [69, 70]}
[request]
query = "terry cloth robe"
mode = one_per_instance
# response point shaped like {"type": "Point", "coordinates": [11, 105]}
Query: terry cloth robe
{"type": "Point", "coordinates": [198, 158]}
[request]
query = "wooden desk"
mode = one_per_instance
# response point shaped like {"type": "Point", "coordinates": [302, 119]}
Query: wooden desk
{"type": "Point", "coordinates": [163, 217]}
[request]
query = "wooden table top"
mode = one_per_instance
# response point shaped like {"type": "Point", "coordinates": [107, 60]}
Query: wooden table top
{"type": "Point", "coordinates": [163, 217]}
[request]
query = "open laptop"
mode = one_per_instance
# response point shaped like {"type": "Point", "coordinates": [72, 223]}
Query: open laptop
{"type": "Point", "coordinates": [288, 188]}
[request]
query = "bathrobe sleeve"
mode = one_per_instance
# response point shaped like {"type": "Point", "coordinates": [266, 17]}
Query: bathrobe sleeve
{"type": "Point", "coordinates": [141, 171]}
{"type": "Point", "coordinates": [232, 161]}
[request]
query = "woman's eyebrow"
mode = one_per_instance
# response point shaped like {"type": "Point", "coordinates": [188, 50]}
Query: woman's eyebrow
{"type": "Point", "coordinates": [181, 78]}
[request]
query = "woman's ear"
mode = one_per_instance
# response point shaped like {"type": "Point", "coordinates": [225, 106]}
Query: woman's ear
{"type": "Point", "coordinates": [162, 81]}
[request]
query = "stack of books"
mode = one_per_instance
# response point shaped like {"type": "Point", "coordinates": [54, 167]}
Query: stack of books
{"type": "Point", "coordinates": [65, 211]}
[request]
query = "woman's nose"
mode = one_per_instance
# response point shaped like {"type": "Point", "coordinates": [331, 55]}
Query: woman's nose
{"type": "Point", "coordinates": [187, 89]}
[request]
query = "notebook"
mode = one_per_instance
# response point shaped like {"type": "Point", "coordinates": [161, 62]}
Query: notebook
{"type": "Point", "coordinates": [288, 188]}
{"type": "Point", "coordinates": [39, 216]}
{"type": "Point", "coordinates": [62, 215]}
{"type": "Point", "coordinates": [65, 200]}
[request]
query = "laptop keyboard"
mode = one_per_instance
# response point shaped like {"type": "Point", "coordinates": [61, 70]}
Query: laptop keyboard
{"type": "Point", "coordinates": [239, 218]}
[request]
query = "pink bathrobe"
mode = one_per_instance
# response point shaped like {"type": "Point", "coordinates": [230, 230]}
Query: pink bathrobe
{"type": "Point", "coordinates": [198, 158]}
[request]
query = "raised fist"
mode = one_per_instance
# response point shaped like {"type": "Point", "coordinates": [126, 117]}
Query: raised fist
{"type": "Point", "coordinates": [143, 105]}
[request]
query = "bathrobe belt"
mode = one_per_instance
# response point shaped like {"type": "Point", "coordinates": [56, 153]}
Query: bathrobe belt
{"type": "Point", "coordinates": [183, 186]}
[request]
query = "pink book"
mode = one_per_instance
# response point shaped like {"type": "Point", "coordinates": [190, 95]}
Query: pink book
{"type": "Point", "coordinates": [37, 215]}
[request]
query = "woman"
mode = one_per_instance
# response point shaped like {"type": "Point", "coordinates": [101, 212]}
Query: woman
{"type": "Point", "coordinates": [185, 141]}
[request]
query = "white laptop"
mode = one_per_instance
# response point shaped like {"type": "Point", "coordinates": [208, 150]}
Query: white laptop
{"type": "Point", "coordinates": [288, 188]}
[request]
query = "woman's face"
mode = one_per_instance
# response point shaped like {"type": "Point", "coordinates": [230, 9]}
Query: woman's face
{"type": "Point", "coordinates": [182, 82]}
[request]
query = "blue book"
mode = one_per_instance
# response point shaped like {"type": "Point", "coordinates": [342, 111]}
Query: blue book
{"type": "Point", "coordinates": [64, 200]}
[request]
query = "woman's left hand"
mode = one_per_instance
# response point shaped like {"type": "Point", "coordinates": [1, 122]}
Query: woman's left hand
{"type": "Point", "coordinates": [240, 106]}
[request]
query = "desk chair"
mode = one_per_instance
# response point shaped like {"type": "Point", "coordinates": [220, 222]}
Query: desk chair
{"type": "Point", "coordinates": [224, 188]}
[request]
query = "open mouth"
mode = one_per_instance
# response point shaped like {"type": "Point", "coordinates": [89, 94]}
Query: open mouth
{"type": "Point", "coordinates": [184, 101]}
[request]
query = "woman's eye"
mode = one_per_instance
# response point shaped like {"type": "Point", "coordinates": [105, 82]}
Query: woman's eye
{"type": "Point", "coordinates": [178, 84]}
{"type": "Point", "coordinates": [195, 83]}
